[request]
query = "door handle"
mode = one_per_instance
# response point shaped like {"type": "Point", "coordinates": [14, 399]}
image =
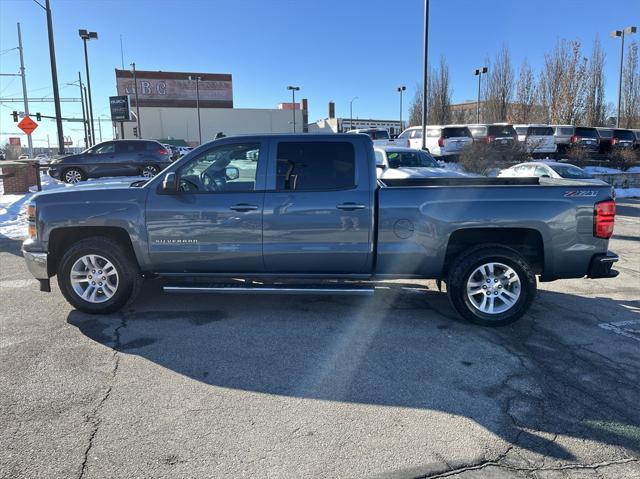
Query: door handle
{"type": "Point", "coordinates": [350, 206]}
{"type": "Point", "coordinates": [243, 207]}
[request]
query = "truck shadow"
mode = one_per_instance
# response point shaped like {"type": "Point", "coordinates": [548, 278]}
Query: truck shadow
{"type": "Point", "coordinates": [405, 347]}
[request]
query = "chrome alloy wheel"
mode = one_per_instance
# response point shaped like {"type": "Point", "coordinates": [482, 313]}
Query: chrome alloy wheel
{"type": "Point", "coordinates": [94, 278]}
{"type": "Point", "coordinates": [493, 288]}
{"type": "Point", "coordinates": [149, 171]}
{"type": "Point", "coordinates": [72, 176]}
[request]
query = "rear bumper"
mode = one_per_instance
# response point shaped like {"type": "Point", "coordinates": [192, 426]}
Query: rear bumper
{"type": "Point", "coordinates": [601, 264]}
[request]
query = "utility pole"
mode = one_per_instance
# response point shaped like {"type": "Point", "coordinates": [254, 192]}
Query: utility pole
{"type": "Point", "coordinates": [197, 80]}
{"type": "Point", "coordinates": [400, 90]}
{"type": "Point", "coordinates": [424, 74]}
{"type": "Point", "coordinates": [351, 112]}
{"type": "Point", "coordinates": [478, 72]}
{"type": "Point", "coordinates": [84, 116]}
{"type": "Point", "coordinates": [86, 35]}
{"type": "Point", "coordinates": [90, 139]}
{"type": "Point", "coordinates": [293, 89]}
{"type": "Point", "coordinates": [54, 79]}
{"type": "Point", "coordinates": [135, 87]}
{"type": "Point", "coordinates": [24, 88]}
{"type": "Point", "coordinates": [100, 128]}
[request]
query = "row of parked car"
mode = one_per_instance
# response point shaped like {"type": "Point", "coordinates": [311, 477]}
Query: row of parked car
{"type": "Point", "coordinates": [538, 139]}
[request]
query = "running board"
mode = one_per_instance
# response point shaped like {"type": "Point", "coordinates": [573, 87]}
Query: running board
{"type": "Point", "coordinates": [351, 290]}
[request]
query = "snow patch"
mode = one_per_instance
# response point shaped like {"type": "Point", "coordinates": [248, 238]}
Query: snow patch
{"type": "Point", "coordinates": [602, 170]}
{"type": "Point", "coordinates": [627, 192]}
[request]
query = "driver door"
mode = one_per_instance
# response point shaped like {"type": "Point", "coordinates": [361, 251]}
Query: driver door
{"type": "Point", "coordinates": [213, 224]}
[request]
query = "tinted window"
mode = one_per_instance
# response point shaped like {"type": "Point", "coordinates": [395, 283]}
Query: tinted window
{"type": "Point", "coordinates": [478, 130]}
{"type": "Point", "coordinates": [566, 131]}
{"type": "Point", "coordinates": [570, 171]}
{"type": "Point", "coordinates": [315, 166]}
{"type": "Point", "coordinates": [130, 146]}
{"type": "Point", "coordinates": [417, 133]}
{"type": "Point", "coordinates": [411, 159]}
{"type": "Point", "coordinates": [586, 132]}
{"type": "Point", "coordinates": [540, 131]}
{"type": "Point", "coordinates": [501, 130]}
{"type": "Point", "coordinates": [104, 148]}
{"type": "Point", "coordinates": [605, 133]}
{"type": "Point", "coordinates": [433, 133]}
{"type": "Point", "coordinates": [223, 168]}
{"type": "Point", "coordinates": [624, 135]}
{"type": "Point", "coordinates": [379, 135]}
{"type": "Point", "coordinates": [455, 132]}
{"type": "Point", "coordinates": [521, 130]}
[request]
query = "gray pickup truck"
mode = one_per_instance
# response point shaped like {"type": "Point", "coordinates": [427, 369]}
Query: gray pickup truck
{"type": "Point", "coordinates": [306, 214]}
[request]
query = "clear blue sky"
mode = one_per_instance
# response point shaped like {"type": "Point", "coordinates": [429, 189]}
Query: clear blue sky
{"type": "Point", "coordinates": [332, 49]}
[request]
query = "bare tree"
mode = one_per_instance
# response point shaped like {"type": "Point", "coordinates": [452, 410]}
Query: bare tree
{"type": "Point", "coordinates": [630, 114]}
{"type": "Point", "coordinates": [524, 108]}
{"type": "Point", "coordinates": [415, 108]}
{"type": "Point", "coordinates": [439, 100]}
{"type": "Point", "coordinates": [595, 107]}
{"type": "Point", "coordinates": [563, 83]}
{"type": "Point", "coordinates": [500, 86]}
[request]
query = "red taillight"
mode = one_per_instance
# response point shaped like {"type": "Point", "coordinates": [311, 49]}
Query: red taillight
{"type": "Point", "coordinates": [162, 151]}
{"type": "Point", "coordinates": [604, 215]}
{"type": "Point", "coordinates": [489, 139]}
{"type": "Point", "coordinates": [441, 142]}
{"type": "Point", "coordinates": [614, 141]}
{"type": "Point", "coordinates": [574, 139]}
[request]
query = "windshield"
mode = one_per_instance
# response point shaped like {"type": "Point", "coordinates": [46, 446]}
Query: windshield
{"type": "Point", "coordinates": [411, 159]}
{"type": "Point", "coordinates": [570, 171]}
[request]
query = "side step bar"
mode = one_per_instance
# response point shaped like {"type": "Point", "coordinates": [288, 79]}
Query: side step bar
{"type": "Point", "coordinates": [235, 288]}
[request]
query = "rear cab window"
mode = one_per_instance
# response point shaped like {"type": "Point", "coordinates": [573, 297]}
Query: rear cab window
{"type": "Point", "coordinates": [624, 135]}
{"type": "Point", "coordinates": [315, 166]}
{"type": "Point", "coordinates": [501, 130]}
{"type": "Point", "coordinates": [540, 131]}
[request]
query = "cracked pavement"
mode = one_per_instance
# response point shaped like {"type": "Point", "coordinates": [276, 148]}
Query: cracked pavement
{"type": "Point", "coordinates": [391, 387]}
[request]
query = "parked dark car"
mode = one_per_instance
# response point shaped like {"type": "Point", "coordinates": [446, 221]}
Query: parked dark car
{"type": "Point", "coordinates": [605, 135]}
{"type": "Point", "coordinates": [623, 139]}
{"type": "Point", "coordinates": [112, 158]}
{"type": "Point", "coordinates": [585, 137]}
{"type": "Point", "coordinates": [501, 136]}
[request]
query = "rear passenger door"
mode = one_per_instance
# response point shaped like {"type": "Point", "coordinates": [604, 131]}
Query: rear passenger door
{"type": "Point", "coordinates": [129, 156]}
{"type": "Point", "coordinates": [318, 215]}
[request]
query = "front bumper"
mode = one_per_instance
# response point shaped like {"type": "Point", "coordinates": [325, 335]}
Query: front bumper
{"type": "Point", "coordinates": [601, 265]}
{"type": "Point", "coordinates": [37, 266]}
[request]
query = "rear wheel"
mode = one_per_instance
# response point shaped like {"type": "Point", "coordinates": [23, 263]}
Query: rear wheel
{"type": "Point", "coordinates": [97, 275]}
{"type": "Point", "coordinates": [73, 175]}
{"type": "Point", "coordinates": [149, 171]}
{"type": "Point", "coordinates": [491, 286]}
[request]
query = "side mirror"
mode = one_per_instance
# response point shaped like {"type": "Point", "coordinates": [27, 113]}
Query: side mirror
{"type": "Point", "coordinates": [170, 183]}
{"type": "Point", "coordinates": [380, 165]}
{"type": "Point", "coordinates": [232, 173]}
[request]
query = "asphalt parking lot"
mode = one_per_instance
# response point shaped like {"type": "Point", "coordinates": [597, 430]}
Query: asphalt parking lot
{"type": "Point", "coordinates": [395, 386]}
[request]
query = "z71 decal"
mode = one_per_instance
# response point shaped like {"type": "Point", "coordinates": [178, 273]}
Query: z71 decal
{"type": "Point", "coordinates": [580, 194]}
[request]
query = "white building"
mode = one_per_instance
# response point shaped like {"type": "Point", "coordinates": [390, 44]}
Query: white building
{"type": "Point", "coordinates": [341, 125]}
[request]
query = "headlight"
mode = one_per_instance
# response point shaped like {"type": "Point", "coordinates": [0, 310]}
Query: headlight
{"type": "Point", "coordinates": [31, 213]}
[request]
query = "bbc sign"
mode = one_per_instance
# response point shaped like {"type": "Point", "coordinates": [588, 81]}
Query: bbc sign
{"type": "Point", "coordinates": [120, 108]}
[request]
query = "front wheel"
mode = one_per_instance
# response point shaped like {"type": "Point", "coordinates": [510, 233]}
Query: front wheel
{"type": "Point", "coordinates": [73, 176]}
{"type": "Point", "coordinates": [98, 276]}
{"type": "Point", "coordinates": [491, 286]}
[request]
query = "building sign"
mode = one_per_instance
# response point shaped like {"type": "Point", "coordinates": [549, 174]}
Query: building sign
{"type": "Point", "coordinates": [175, 89]}
{"type": "Point", "coordinates": [120, 108]}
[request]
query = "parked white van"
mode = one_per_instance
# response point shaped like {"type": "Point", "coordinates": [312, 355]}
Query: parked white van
{"type": "Point", "coordinates": [447, 140]}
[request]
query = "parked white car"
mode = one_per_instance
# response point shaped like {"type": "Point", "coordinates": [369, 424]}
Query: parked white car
{"type": "Point", "coordinates": [539, 139]}
{"type": "Point", "coordinates": [548, 169]}
{"type": "Point", "coordinates": [42, 158]}
{"type": "Point", "coordinates": [379, 136]}
{"type": "Point", "coordinates": [447, 140]}
{"type": "Point", "coordinates": [399, 162]}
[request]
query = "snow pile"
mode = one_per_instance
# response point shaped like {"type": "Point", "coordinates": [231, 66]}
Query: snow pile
{"type": "Point", "coordinates": [633, 169]}
{"type": "Point", "coordinates": [627, 192]}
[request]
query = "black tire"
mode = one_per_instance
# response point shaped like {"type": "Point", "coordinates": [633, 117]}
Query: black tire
{"type": "Point", "coordinates": [149, 171]}
{"type": "Point", "coordinates": [73, 172]}
{"type": "Point", "coordinates": [129, 279]}
{"type": "Point", "coordinates": [464, 266]}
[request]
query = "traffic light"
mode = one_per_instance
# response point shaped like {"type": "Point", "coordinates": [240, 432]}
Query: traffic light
{"type": "Point", "coordinates": [15, 116]}
{"type": "Point", "coordinates": [135, 131]}
{"type": "Point", "coordinates": [38, 117]}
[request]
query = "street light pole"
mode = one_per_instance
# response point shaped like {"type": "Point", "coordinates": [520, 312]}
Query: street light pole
{"type": "Point", "coordinates": [197, 80]}
{"type": "Point", "coordinates": [424, 74]}
{"type": "Point", "coordinates": [54, 79]}
{"type": "Point", "coordinates": [24, 89]}
{"type": "Point", "coordinates": [351, 112]}
{"type": "Point", "coordinates": [84, 115]}
{"type": "Point", "coordinates": [478, 72]}
{"type": "Point", "coordinates": [135, 89]}
{"type": "Point", "coordinates": [621, 34]}
{"type": "Point", "coordinates": [86, 35]}
{"type": "Point", "coordinates": [400, 90]}
{"type": "Point", "coordinates": [293, 89]}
